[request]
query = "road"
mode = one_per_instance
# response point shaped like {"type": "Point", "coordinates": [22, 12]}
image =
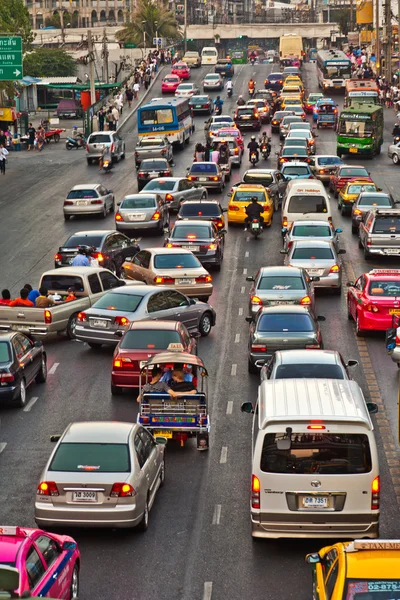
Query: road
{"type": "Point", "coordinates": [198, 544]}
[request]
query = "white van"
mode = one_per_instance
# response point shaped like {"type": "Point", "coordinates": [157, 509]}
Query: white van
{"type": "Point", "coordinates": [209, 55]}
{"type": "Point", "coordinates": [315, 466]}
{"type": "Point", "coordinates": [305, 199]}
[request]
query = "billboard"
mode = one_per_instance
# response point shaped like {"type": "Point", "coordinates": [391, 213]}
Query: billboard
{"type": "Point", "coordinates": [364, 12]}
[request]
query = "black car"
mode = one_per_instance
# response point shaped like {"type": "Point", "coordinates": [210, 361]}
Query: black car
{"type": "Point", "coordinates": [110, 248]}
{"type": "Point", "coordinates": [269, 96]}
{"type": "Point", "coordinates": [247, 117]}
{"type": "Point", "coordinates": [150, 168]}
{"type": "Point", "coordinates": [202, 238]}
{"type": "Point", "coordinates": [203, 210]}
{"type": "Point", "coordinates": [223, 69]}
{"type": "Point", "coordinates": [278, 118]}
{"type": "Point", "coordinates": [22, 361]}
{"type": "Point", "coordinates": [274, 82]}
{"type": "Point", "coordinates": [271, 179]}
{"type": "Point", "coordinates": [200, 104]}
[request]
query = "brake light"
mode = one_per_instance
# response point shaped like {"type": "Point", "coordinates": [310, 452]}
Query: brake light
{"type": "Point", "coordinates": [334, 269]}
{"type": "Point", "coordinates": [118, 217]}
{"type": "Point", "coordinates": [266, 208]}
{"type": "Point", "coordinates": [357, 211]}
{"type": "Point", "coordinates": [316, 427]}
{"type": "Point", "coordinates": [305, 301]}
{"type": "Point", "coordinates": [233, 207]}
{"type": "Point", "coordinates": [121, 321]}
{"type": "Point", "coordinates": [123, 363]}
{"type": "Point", "coordinates": [204, 279]}
{"type": "Point", "coordinates": [255, 492]}
{"type": "Point", "coordinates": [47, 317]}
{"type": "Point", "coordinates": [256, 114]}
{"type": "Point", "coordinates": [169, 197]}
{"type": "Point", "coordinates": [156, 216]}
{"type": "Point", "coordinates": [313, 346]}
{"type": "Point", "coordinates": [266, 81]}
{"type": "Point", "coordinates": [122, 490]}
{"type": "Point", "coordinates": [220, 224]}
{"type": "Point", "coordinates": [216, 178]}
{"type": "Point", "coordinates": [256, 301]}
{"type": "Point", "coordinates": [236, 151]}
{"type": "Point", "coordinates": [47, 488]}
{"type": "Point", "coordinates": [322, 171]}
{"type": "Point", "coordinates": [284, 222]}
{"type": "Point", "coordinates": [67, 203]}
{"type": "Point", "coordinates": [98, 256]}
{"type": "Point", "coordinates": [212, 246]}
{"type": "Point", "coordinates": [57, 257]}
{"type": "Point", "coordinates": [6, 377]}
{"type": "Point", "coordinates": [96, 202]}
{"type": "Point", "coordinates": [375, 489]}
{"type": "Point", "coordinates": [372, 308]}
{"type": "Point", "coordinates": [258, 348]}
{"type": "Point", "coordinates": [191, 178]}
{"type": "Point", "coordinates": [161, 280]}
{"type": "Point", "coordinates": [82, 317]}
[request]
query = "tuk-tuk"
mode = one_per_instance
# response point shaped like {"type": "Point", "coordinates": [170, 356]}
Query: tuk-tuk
{"type": "Point", "coordinates": [327, 115]}
{"type": "Point", "coordinates": [183, 416]}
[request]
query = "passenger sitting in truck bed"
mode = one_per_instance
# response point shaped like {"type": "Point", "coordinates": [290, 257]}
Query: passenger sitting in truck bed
{"type": "Point", "coordinates": [155, 385]}
{"type": "Point", "coordinates": [22, 300]}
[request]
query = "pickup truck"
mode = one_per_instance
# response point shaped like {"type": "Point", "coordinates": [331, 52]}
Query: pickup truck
{"type": "Point", "coordinates": [222, 68]}
{"type": "Point", "coordinates": [192, 59]}
{"type": "Point", "coordinates": [89, 284]}
{"type": "Point", "coordinates": [153, 147]}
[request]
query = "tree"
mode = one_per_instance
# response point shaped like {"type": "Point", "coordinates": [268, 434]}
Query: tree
{"type": "Point", "coordinates": [46, 62]}
{"type": "Point", "coordinates": [342, 18]}
{"type": "Point", "coordinates": [144, 20]}
{"type": "Point", "coordinates": [14, 19]}
{"type": "Point", "coordinates": [55, 20]}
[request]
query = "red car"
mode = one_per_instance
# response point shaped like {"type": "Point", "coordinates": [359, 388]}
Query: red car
{"type": "Point", "coordinates": [345, 173]}
{"type": "Point", "coordinates": [170, 83]}
{"type": "Point", "coordinates": [141, 341]}
{"type": "Point", "coordinates": [181, 69]}
{"type": "Point", "coordinates": [373, 299]}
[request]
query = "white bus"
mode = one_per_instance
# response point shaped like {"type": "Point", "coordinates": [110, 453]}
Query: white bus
{"type": "Point", "coordinates": [209, 55]}
{"type": "Point", "coordinates": [333, 68]}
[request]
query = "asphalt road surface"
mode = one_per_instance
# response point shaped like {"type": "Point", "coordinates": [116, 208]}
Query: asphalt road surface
{"type": "Point", "coordinates": [198, 544]}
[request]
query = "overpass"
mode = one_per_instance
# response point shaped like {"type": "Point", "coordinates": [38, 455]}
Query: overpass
{"type": "Point", "coordinates": [259, 30]}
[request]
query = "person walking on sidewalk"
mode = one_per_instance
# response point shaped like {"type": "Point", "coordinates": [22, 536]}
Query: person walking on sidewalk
{"type": "Point", "coordinates": [31, 139]}
{"type": "Point", "coordinates": [129, 97]}
{"type": "Point", "coordinates": [100, 117]}
{"type": "Point", "coordinates": [136, 88]}
{"type": "Point", "coordinates": [3, 158]}
{"type": "Point", "coordinates": [115, 114]}
{"type": "Point", "coordinates": [147, 79]}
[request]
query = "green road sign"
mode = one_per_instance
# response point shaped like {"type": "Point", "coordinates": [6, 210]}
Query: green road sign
{"type": "Point", "coordinates": [129, 45]}
{"type": "Point", "coordinates": [10, 58]}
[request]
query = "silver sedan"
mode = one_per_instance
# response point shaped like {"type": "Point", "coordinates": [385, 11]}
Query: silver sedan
{"type": "Point", "coordinates": [101, 474]}
{"type": "Point", "coordinates": [175, 190]}
{"type": "Point", "coordinates": [142, 211]}
{"type": "Point", "coordinates": [306, 230]}
{"type": "Point", "coordinates": [88, 199]}
{"type": "Point", "coordinates": [320, 259]}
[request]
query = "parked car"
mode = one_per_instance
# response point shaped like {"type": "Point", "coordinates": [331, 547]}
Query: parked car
{"type": "Point", "coordinates": [88, 199]}
{"type": "Point", "coordinates": [213, 82]}
{"type": "Point", "coordinates": [99, 140]}
{"type": "Point", "coordinates": [367, 201]}
{"type": "Point", "coordinates": [208, 174]}
{"type": "Point", "coordinates": [170, 83]}
{"type": "Point", "coordinates": [201, 103]}
{"type": "Point", "coordinates": [153, 147]}
{"type": "Point", "coordinates": [175, 190]}
{"type": "Point", "coordinates": [150, 168]}
{"type": "Point", "coordinates": [142, 211]}
{"type": "Point", "coordinates": [202, 238]}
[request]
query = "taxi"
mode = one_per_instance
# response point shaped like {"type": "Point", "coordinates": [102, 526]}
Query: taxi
{"type": "Point", "coordinates": [291, 101]}
{"type": "Point", "coordinates": [231, 132]}
{"type": "Point", "coordinates": [181, 69]}
{"type": "Point", "coordinates": [170, 83]}
{"type": "Point", "coordinates": [373, 300]}
{"type": "Point", "coordinates": [48, 564]}
{"type": "Point", "coordinates": [293, 80]}
{"type": "Point", "coordinates": [350, 192]}
{"type": "Point", "coordinates": [241, 197]}
{"type": "Point", "coordinates": [357, 570]}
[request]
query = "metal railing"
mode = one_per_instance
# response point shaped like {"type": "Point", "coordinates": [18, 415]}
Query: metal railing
{"type": "Point", "coordinates": [200, 17]}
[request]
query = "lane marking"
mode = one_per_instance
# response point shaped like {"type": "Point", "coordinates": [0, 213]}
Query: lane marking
{"type": "Point", "coordinates": [242, 289]}
{"type": "Point", "coordinates": [248, 239]}
{"type": "Point", "coordinates": [246, 254]}
{"type": "Point", "coordinates": [224, 455]}
{"type": "Point", "coordinates": [53, 369]}
{"type": "Point", "coordinates": [2, 446]}
{"type": "Point", "coordinates": [31, 403]}
{"type": "Point", "coordinates": [229, 407]}
{"type": "Point", "coordinates": [207, 590]}
{"type": "Point", "coordinates": [244, 271]}
{"type": "Point", "coordinates": [216, 517]}
{"type": "Point", "coordinates": [240, 312]}
{"type": "Point", "coordinates": [233, 370]}
{"type": "Point", "coordinates": [237, 338]}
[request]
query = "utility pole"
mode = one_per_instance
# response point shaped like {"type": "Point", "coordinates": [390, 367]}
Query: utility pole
{"type": "Point", "coordinates": [387, 39]}
{"type": "Point", "coordinates": [62, 22]}
{"type": "Point", "coordinates": [144, 39]}
{"type": "Point", "coordinates": [351, 28]}
{"type": "Point", "coordinates": [105, 55]}
{"type": "Point", "coordinates": [377, 39]}
{"type": "Point", "coordinates": [91, 68]}
{"type": "Point", "coordinates": [185, 25]}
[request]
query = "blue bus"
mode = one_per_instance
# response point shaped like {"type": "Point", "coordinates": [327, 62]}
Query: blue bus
{"type": "Point", "coordinates": [333, 69]}
{"type": "Point", "coordinates": [172, 118]}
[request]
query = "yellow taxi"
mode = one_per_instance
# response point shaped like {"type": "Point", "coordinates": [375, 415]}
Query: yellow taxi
{"type": "Point", "coordinates": [241, 197]}
{"type": "Point", "coordinates": [350, 192]}
{"type": "Point", "coordinates": [295, 81]}
{"type": "Point", "coordinates": [358, 570]}
{"type": "Point", "coordinates": [291, 101]}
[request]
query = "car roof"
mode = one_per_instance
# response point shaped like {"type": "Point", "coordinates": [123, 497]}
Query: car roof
{"type": "Point", "coordinates": [194, 202]}
{"type": "Point", "coordinates": [86, 186]}
{"type": "Point", "coordinates": [93, 232]}
{"type": "Point", "coordinates": [6, 335]}
{"type": "Point", "coordinates": [352, 167]}
{"type": "Point", "coordinates": [154, 325]}
{"type": "Point", "coordinates": [374, 194]}
{"type": "Point", "coordinates": [251, 187]}
{"type": "Point", "coordinates": [360, 182]}
{"type": "Point", "coordinates": [75, 271]}
{"type": "Point", "coordinates": [310, 243]}
{"type": "Point", "coordinates": [280, 270]}
{"type": "Point", "coordinates": [142, 290]}
{"type": "Point", "coordinates": [305, 357]}
{"type": "Point", "coordinates": [295, 163]}
{"type": "Point", "coordinates": [314, 222]}
{"type": "Point", "coordinates": [150, 160]}
{"type": "Point", "coordinates": [328, 156]}
{"type": "Point", "coordinates": [101, 432]}
{"type": "Point", "coordinates": [275, 74]}
{"type": "Point", "coordinates": [382, 273]}
{"type": "Point", "coordinates": [140, 195]}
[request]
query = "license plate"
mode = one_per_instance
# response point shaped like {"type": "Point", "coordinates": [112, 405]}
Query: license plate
{"type": "Point", "coordinates": [192, 248]}
{"type": "Point", "coordinates": [198, 106]}
{"type": "Point", "coordinates": [353, 150]}
{"type": "Point", "coordinates": [84, 496]}
{"type": "Point", "coordinates": [394, 311]}
{"type": "Point", "coordinates": [136, 217]}
{"type": "Point", "coordinates": [184, 281]}
{"type": "Point", "coordinates": [279, 302]}
{"type": "Point", "coordinates": [82, 202]}
{"type": "Point", "coordinates": [246, 117]}
{"type": "Point", "coordinates": [314, 272]}
{"type": "Point", "coordinates": [160, 433]}
{"type": "Point", "coordinates": [101, 323]}
{"type": "Point", "coordinates": [255, 226]}
{"type": "Point", "coordinates": [20, 327]}
{"type": "Point", "coordinates": [202, 178]}
{"type": "Point", "coordinates": [153, 174]}
{"type": "Point", "coordinates": [315, 502]}
{"type": "Point", "coordinates": [392, 250]}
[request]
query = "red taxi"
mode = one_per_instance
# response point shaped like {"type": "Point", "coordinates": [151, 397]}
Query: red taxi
{"type": "Point", "coordinates": [346, 173]}
{"type": "Point", "coordinates": [141, 341]}
{"type": "Point", "coordinates": [170, 83]}
{"type": "Point", "coordinates": [231, 132]}
{"type": "Point", "coordinates": [48, 564]}
{"type": "Point", "coordinates": [373, 299]}
{"type": "Point", "coordinates": [181, 69]}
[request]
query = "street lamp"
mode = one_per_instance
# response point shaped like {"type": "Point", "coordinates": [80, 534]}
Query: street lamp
{"type": "Point", "coordinates": [144, 38]}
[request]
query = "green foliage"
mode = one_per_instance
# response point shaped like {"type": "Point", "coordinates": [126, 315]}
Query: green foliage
{"type": "Point", "coordinates": [69, 19]}
{"type": "Point", "coordinates": [49, 62]}
{"type": "Point", "coordinates": [342, 18]}
{"type": "Point", "coordinates": [167, 26]}
{"type": "Point", "coordinates": [14, 20]}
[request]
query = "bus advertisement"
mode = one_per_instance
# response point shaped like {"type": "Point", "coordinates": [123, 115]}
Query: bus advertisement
{"type": "Point", "coordinates": [172, 118]}
{"type": "Point", "coordinates": [333, 69]}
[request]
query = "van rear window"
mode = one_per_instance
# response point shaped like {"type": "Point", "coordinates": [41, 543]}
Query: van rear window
{"type": "Point", "coordinates": [317, 453]}
{"type": "Point", "coordinates": [307, 204]}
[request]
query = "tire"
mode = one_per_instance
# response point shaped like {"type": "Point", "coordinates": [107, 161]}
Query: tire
{"type": "Point", "coordinates": [359, 332]}
{"type": "Point", "coordinates": [252, 368]}
{"type": "Point", "coordinates": [42, 373]}
{"type": "Point", "coordinates": [367, 255]}
{"type": "Point", "coordinates": [112, 208]}
{"type": "Point", "coordinates": [354, 229]}
{"type": "Point", "coordinates": [116, 391]}
{"type": "Point", "coordinates": [343, 210]}
{"type": "Point", "coordinates": [123, 155]}
{"type": "Point", "coordinates": [68, 147]}
{"type": "Point", "coordinates": [395, 159]}
{"type": "Point", "coordinates": [71, 327]}
{"type": "Point", "coordinates": [337, 291]}
{"type": "Point", "coordinates": [203, 197]}
{"type": "Point", "coordinates": [103, 215]}
{"type": "Point", "coordinates": [228, 177]}
{"type": "Point", "coordinates": [89, 161]}
{"type": "Point", "coordinates": [74, 589]}
{"type": "Point", "coordinates": [144, 523]}
{"type": "Point", "coordinates": [67, 217]}
{"type": "Point", "coordinates": [112, 267]}
{"type": "Point", "coordinates": [217, 266]}
{"type": "Point", "coordinates": [349, 315]}
{"type": "Point", "coordinates": [21, 399]}
{"type": "Point", "coordinates": [160, 230]}
{"type": "Point", "coordinates": [205, 324]}
{"type": "Point", "coordinates": [56, 138]}
{"type": "Point", "coordinates": [94, 345]}
{"type": "Point", "coordinates": [162, 473]}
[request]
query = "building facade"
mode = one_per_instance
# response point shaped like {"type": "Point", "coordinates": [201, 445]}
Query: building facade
{"type": "Point", "coordinates": [85, 13]}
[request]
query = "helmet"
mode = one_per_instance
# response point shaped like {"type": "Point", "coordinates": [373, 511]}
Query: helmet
{"type": "Point", "coordinates": [264, 133]}
{"type": "Point", "coordinates": [86, 250]}
{"type": "Point", "coordinates": [229, 78]}
{"type": "Point", "coordinates": [218, 97]}
{"type": "Point", "coordinates": [254, 199]}
{"type": "Point", "coordinates": [253, 138]}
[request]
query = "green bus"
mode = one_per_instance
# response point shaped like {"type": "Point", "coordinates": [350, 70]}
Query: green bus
{"type": "Point", "coordinates": [238, 57]}
{"type": "Point", "coordinates": [360, 130]}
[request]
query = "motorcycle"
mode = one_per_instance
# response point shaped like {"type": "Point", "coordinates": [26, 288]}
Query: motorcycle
{"type": "Point", "coordinates": [253, 158]}
{"type": "Point", "coordinates": [252, 91]}
{"type": "Point", "coordinates": [396, 139]}
{"type": "Point", "coordinates": [255, 228]}
{"type": "Point", "coordinates": [229, 92]}
{"type": "Point", "coordinates": [218, 109]}
{"type": "Point", "coordinates": [78, 142]}
{"type": "Point", "coordinates": [107, 165]}
{"type": "Point", "coordinates": [266, 150]}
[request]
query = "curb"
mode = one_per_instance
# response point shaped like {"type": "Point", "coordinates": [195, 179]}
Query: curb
{"type": "Point", "coordinates": [141, 99]}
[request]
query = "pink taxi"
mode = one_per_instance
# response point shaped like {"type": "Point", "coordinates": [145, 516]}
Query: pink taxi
{"type": "Point", "coordinates": [48, 564]}
{"type": "Point", "coordinates": [170, 83]}
{"type": "Point", "coordinates": [181, 69]}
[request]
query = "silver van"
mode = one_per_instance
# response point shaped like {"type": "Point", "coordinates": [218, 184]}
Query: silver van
{"type": "Point", "coordinates": [315, 469]}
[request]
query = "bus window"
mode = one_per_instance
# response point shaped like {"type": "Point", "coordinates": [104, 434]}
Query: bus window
{"type": "Point", "coordinates": [156, 117]}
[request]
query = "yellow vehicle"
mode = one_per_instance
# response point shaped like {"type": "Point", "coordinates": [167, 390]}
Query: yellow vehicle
{"type": "Point", "coordinates": [359, 570]}
{"type": "Point", "coordinates": [291, 101]}
{"type": "Point", "coordinates": [350, 192]}
{"type": "Point", "coordinates": [293, 80]}
{"type": "Point", "coordinates": [296, 90]}
{"type": "Point", "coordinates": [241, 197]}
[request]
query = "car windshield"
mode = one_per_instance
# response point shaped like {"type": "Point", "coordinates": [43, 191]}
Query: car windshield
{"type": "Point", "coordinates": [213, 77]}
{"type": "Point", "coordinates": [291, 119]}
{"type": "Point", "coordinates": [295, 170]}
{"type": "Point", "coordinates": [150, 164]}
{"type": "Point", "coordinates": [151, 142]}
{"type": "Point", "coordinates": [121, 302]}
{"type": "Point", "coordinates": [176, 261]}
{"type": "Point", "coordinates": [314, 97]}
{"type": "Point", "coordinates": [304, 133]}
{"type": "Point", "coordinates": [357, 189]}
{"type": "Point", "coordinates": [312, 254]}
{"type": "Point", "coordinates": [165, 185]}
{"type": "Point", "coordinates": [311, 231]}
{"type": "Point", "coordinates": [294, 151]}
{"type": "Point", "coordinates": [191, 232]}
{"type": "Point", "coordinates": [92, 457]}
{"type": "Point", "coordinates": [384, 288]}
{"type": "Point", "coordinates": [99, 138]}
{"type": "Point", "coordinates": [204, 168]}
{"type": "Point", "coordinates": [247, 196]}
{"type": "Point", "coordinates": [374, 201]}
{"type": "Point", "coordinates": [77, 194]}
{"type": "Point", "coordinates": [143, 202]}
{"type": "Point", "coordinates": [353, 172]}
{"type": "Point", "coordinates": [298, 125]}
{"type": "Point", "coordinates": [222, 119]}
{"type": "Point", "coordinates": [295, 143]}
{"type": "Point", "coordinates": [199, 99]}
{"type": "Point", "coordinates": [309, 371]}
{"type": "Point", "coordinates": [386, 225]}
{"type": "Point", "coordinates": [149, 339]}
{"type": "Point", "coordinates": [191, 209]}
{"type": "Point", "coordinates": [5, 356]}
{"type": "Point", "coordinates": [317, 453]}
{"type": "Point", "coordinates": [285, 322]}
{"type": "Point", "coordinates": [279, 283]}
{"type": "Point", "coordinates": [262, 178]}
{"type": "Point", "coordinates": [171, 79]}
{"type": "Point", "coordinates": [307, 204]}
{"type": "Point", "coordinates": [328, 161]}
{"type": "Point", "coordinates": [83, 240]}
{"type": "Point", "coordinates": [245, 111]}
{"type": "Point", "coordinates": [185, 86]}
{"type": "Point", "coordinates": [179, 67]}
{"type": "Point", "coordinates": [280, 114]}
{"type": "Point", "coordinates": [59, 282]}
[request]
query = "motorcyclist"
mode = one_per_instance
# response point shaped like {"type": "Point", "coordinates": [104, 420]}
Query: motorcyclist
{"type": "Point", "coordinates": [223, 154]}
{"type": "Point", "coordinates": [229, 85]}
{"type": "Point", "coordinates": [253, 211]}
{"type": "Point", "coordinates": [218, 103]}
{"type": "Point", "coordinates": [396, 130]}
{"type": "Point", "coordinates": [81, 259]}
{"type": "Point", "coordinates": [251, 85]}
{"type": "Point", "coordinates": [106, 156]}
{"type": "Point", "coordinates": [264, 141]}
{"type": "Point", "coordinates": [241, 101]}
{"type": "Point", "coordinates": [253, 147]}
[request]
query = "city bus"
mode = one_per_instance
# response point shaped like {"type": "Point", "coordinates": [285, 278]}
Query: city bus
{"type": "Point", "coordinates": [172, 118]}
{"type": "Point", "coordinates": [360, 130]}
{"type": "Point", "coordinates": [238, 57]}
{"type": "Point", "coordinates": [333, 69]}
{"type": "Point", "coordinates": [361, 90]}
{"type": "Point", "coordinates": [209, 55]}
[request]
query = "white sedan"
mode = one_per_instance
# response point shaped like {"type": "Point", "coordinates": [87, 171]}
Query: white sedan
{"type": "Point", "coordinates": [186, 90]}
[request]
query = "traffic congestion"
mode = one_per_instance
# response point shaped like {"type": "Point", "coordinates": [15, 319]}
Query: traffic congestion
{"type": "Point", "coordinates": [200, 381]}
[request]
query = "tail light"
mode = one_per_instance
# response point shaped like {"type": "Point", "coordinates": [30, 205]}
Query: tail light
{"type": "Point", "coordinates": [258, 348]}
{"type": "Point", "coordinates": [136, 154]}
{"type": "Point", "coordinates": [123, 363]}
{"type": "Point", "coordinates": [47, 317]}
{"type": "Point", "coordinates": [256, 301]}
{"type": "Point", "coordinates": [357, 211]}
{"type": "Point", "coordinates": [311, 176]}
{"type": "Point", "coordinates": [305, 301]}
{"type": "Point", "coordinates": [47, 488]}
{"type": "Point", "coordinates": [161, 280]}
{"type": "Point", "coordinates": [212, 246]}
{"type": "Point", "coordinates": [266, 81]}
{"type": "Point", "coordinates": [123, 321]}
{"type": "Point", "coordinates": [192, 178]}
{"type": "Point", "coordinates": [321, 171]}
{"type": "Point", "coordinates": [96, 202]}
{"type": "Point", "coordinates": [233, 207]}
{"type": "Point", "coordinates": [204, 279]}
{"type": "Point", "coordinates": [122, 490]}
{"type": "Point", "coordinates": [156, 216]}
{"type": "Point", "coordinates": [236, 151]}
{"type": "Point", "coordinates": [372, 308]}
{"type": "Point", "coordinates": [141, 174]}
{"type": "Point", "coordinates": [98, 256]}
{"type": "Point", "coordinates": [169, 197]}
{"type": "Point", "coordinates": [313, 346]}
{"type": "Point", "coordinates": [82, 317]}
{"type": "Point", "coordinates": [57, 257]}
{"type": "Point", "coordinates": [68, 203]}
{"type": "Point", "coordinates": [219, 224]}
{"type": "Point", "coordinates": [216, 178]}
{"type": "Point", "coordinates": [334, 269]}
{"type": "Point", "coordinates": [376, 490]}
{"type": "Point", "coordinates": [284, 222]}
{"type": "Point", "coordinates": [6, 377]}
{"type": "Point", "coordinates": [255, 492]}
{"type": "Point", "coordinates": [118, 217]}
{"type": "Point", "coordinates": [266, 208]}
{"type": "Point", "coordinates": [256, 114]}
{"type": "Point", "coordinates": [165, 173]}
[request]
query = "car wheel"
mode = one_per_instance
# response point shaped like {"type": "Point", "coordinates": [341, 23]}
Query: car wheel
{"type": "Point", "coordinates": [203, 197]}
{"type": "Point", "coordinates": [74, 589]}
{"type": "Point", "coordinates": [349, 315]}
{"type": "Point", "coordinates": [359, 332]}
{"type": "Point", "coordinates": [395, 159]}
{"type": "Point", "coordinates": [112, 207]}
{"type": "Point", "coordinates": [228, 176]}
{"type": "Point", "coordinates": [217, 266]}
{"type": "Point", "coordinates": [122, 274]}
{"type": "Point", "coordinates": [21, 399]}
{"type": "Point", "coordinates": [42, 373]}
{"type": "Point", "coordinates": [144, 523]}
{"type": "Point", "coordinates": [116, 391]}
{"type": "Point", "coordinates": [71, 327]}
{"type": "Point", "coordinates": [252, 368]}
{"type": "Point", "coordinates": [94, 345]}
{"type": "Point", "coordinates": [354, 229]}
{"type": "Point", "coordinates": [162, 473]}
{"type": "Point", "coordinates": [205, 323]}
{"type": "Point", "coordinates": [103, 215]}
{"type": "Point", "coordinates": [67, 217]}
{"type": "Point", "coordinates": [89, 161]}
{"type": "Point", "coordinates": [343, 210]}
{"type": "Point", "coordinates": [123, 155]}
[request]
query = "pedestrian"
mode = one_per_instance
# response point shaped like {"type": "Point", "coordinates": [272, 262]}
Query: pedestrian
{"type": "Point", "coordinates": [40, 137]}
{"type": "Point", "coordinates": [388, 98]}
{"type": "Point", "coordinates": [115, 114]}
{"type": "Point", "coordinates": [101, 115]}
{"type": "Point", "coordinates": [110, 119]}
{"type": "Point", "coordinates": [31, 139]}
{"type": "Point", "coordinates": [5, 298]}
{"type": "Point", "coordinates": [129, 96]}
{"type": "Point", "coordinates": [3, 158]}
{"type": "Point", "coordinates": [147, 79]}
{"type": "Point", "coordinates": [120, 102]}
{"type": "Point", "coordinates": [136, 88]}
{"type": "Point", "coordinates": [2, 138]}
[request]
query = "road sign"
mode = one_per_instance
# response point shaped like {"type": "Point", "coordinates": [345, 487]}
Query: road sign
{"type": "Point", "coordinates": [10, 58]}
{"type": "Point", "coordinates": [157, 41]}
{"type": "Point", "coordinates": [129, 45]}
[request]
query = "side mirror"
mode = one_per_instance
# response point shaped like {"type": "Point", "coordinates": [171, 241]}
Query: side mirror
{"type": "Point", "coordinates": [68, 545]}
{"type": "Point", "coordinates": [352, 363]}
{"type": "Point", "coordinates": [390, 338]}
{"type": "Point", "coordinates": [109, 191]}
{"type": "Point", "coordinates": [195, 334]}
{"type": "Point", "coordinates": [249, 278]}
{"type": "Point", "coordinates": [312, 559]}
{"type": "Point", "coordinates": [37, 344]}
{"type": "Point", "coordinates": [223, 231]}
{"type": "Point", "coordinates": [320, 318]}
{"type": "Point", "coordinates": [284, 251]}
{"type": "Point", "coordinates": [192, 301]}
{"type": "Point", "coordinates": [372, 408]}
{"type": "Point", "coordinates": [342, 251]}
{"type": "Point", "coordinates": [249, 319]}
{"type": "Point", "coordinates": [350, 284]}
{"type": "Point", "coordinates": [338, 230]}
{"type": "Point", "coordinates": [224, 210]}
{"type": "Point", "coordinates": [55, 438]}
{"type": "Point", "coordinates": [162, 441]}
{"type": "Point", "coordinates": [119, 203]}
{"type": "Point", "coordinates": [247, 407]}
